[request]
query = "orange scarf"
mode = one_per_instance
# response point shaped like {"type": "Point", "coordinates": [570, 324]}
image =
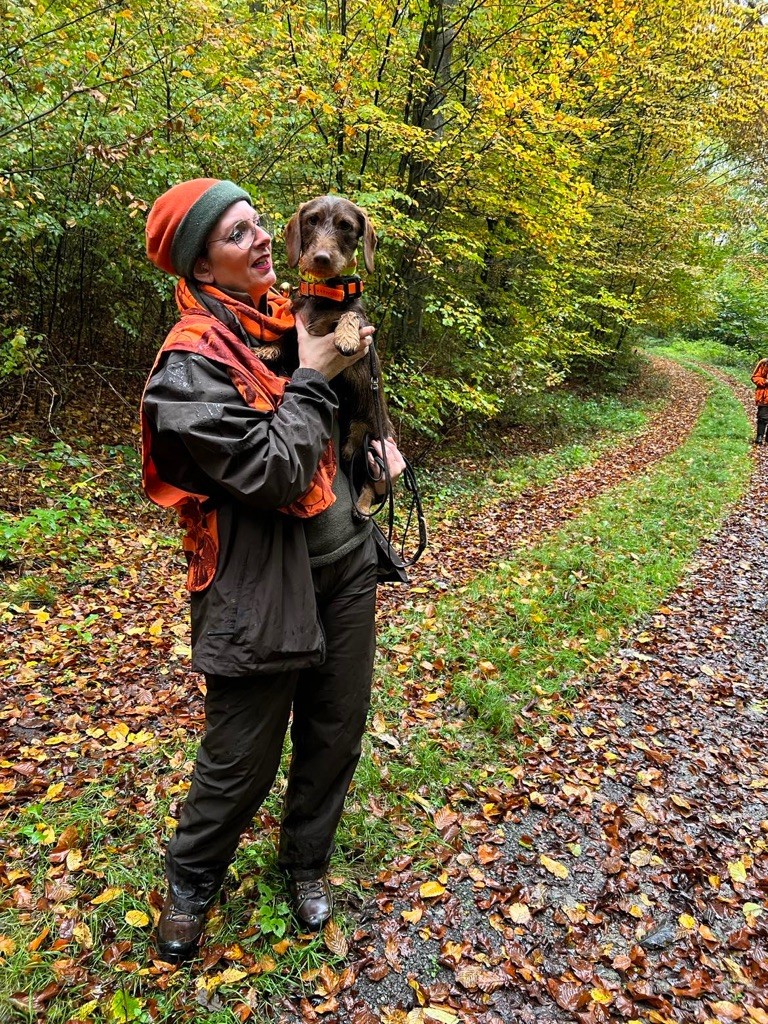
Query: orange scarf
{"type": "Point", "coordinates": [203, 333]}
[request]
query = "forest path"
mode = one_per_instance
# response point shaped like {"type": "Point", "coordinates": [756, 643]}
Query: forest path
{"type": "Point", "coordinates": [622, 873]}
{"type": "Point", "coordinates": [519, 521]}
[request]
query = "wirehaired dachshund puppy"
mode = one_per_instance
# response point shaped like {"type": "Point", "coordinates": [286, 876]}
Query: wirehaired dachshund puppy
{"type": "Point", "coordinates": [322, 239]}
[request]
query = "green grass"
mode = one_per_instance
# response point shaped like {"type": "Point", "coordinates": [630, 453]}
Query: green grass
{"type": "Point", "coordinates": [542, 619]}
{"type": "Point", "coordinates": [737, 361]}
{"type": "Point", "coordinates": [578, 430]}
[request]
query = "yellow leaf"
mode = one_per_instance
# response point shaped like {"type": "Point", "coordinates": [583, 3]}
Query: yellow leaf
{"type": "Point", "coordinates": [7, 945]}
{"type": "Point", "coordinates": [432, 1013]}
{"type": "Point", "coordinates": [640, 858]}
{"type": "Point", "coordinates": [53, 791]}
{"type": "Point", "coordinates": [412, 916]}
{"type": "Point", "coordinates": [686, 921]}
{"type": "Point", "coordinates": [157, 626]}
{"type": "Point", "coordinates": [75, 859]}
{"type": "Point", "coordinates": [107, 896]}
{"type": "Point", "coordinates": [137, 919]}
{"type": "Point", "coordinates": [519, 913]}
{"type": "Point", "coordinates": [232, 974]}
{"type": "Point", "coordinates": [428, 890]}
{"type": "Point", "coordinates": [82, 934]}
{"type": "Point", "coordinates": [737, 871]}
{"type": "Point", "coordinates": [554, 866]}
{"type": "Point", "coordinates": [600, 995]}
{"type": "Point", "coordinates": [282, 946]}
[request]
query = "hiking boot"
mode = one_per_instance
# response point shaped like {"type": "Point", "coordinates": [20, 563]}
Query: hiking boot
{"type": "Point", "coordinates": [178, 933]}
{"type": "Point", "coordinates": [312, 901]}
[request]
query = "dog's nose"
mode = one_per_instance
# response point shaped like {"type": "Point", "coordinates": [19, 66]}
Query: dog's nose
{"type": "Point", "coordinates": [321, 256]}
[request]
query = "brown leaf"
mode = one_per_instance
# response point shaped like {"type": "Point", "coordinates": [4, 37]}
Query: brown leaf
{"type": "Point", "coordinates": [335, 939]}
{"type": "Point", "coordinates": [444, 817]}
{"type": "Point", "coordinates": [567, 994]}
{"type": "Point", "coordinates": [727, 1010]}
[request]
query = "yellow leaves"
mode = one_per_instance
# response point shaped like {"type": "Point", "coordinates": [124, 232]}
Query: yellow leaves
{"type": "Point", "coordinates": [83, 935]}
{"type": "Point", "coordinates": [430, 890]}
{"type": "Point", "coordinates": [412, 916]}
{"type": "Point", "coordinates": [687, 922]}
{"type": "Point", "coordinates": [156, 628]}
{"type": "Point", "coordinates": [554, 867]}
{"type": "Point", "coordinates": [107, 896]}
{"type": "Point", "coordinates": [209, 983]}
{"type": "Point", "coordinates": [7, 946]}
{"type": "Point", "coordinates": [518, 913]}
{"type": "Point", "coordinates": [137, 919]}
{"type": "Point", "coordinates": [738, 872]}
{"type": "Point", "coordinates": [601, 996]}
{"type": "Point", "coordinates": [75, 860]}
{"type": "Point", "coordinates": [640, 858]}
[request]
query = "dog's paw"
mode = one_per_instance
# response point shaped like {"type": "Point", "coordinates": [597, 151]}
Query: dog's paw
{"type": "Point", "coordinates": [269, 353]}
{"type": "Point", "coordinates": [347, 334]}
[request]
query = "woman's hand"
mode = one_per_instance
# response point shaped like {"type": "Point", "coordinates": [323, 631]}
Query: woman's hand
{"type": "Point", "coordinates": [320, 353]}
{"type": "Point", "coordinates": [395, 463]}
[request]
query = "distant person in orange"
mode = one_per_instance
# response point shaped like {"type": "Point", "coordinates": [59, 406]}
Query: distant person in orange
{"type": "Point", "coordinates": [760, 380]}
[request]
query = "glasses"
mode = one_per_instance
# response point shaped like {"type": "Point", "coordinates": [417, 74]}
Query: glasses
{"type": "Point", "coordinates": [244, 232]}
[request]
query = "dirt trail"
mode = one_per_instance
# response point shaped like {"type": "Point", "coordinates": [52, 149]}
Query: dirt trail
{"type": "Point", "coordinates": [517, 522]}
{"type": "Point", "coordinates": [622, 874]}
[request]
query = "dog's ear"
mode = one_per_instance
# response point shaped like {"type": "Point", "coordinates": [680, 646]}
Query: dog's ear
{"type": "Point", "coordinates": [369, 240]}
{"type": "Point", "coordinates": [293, 238]}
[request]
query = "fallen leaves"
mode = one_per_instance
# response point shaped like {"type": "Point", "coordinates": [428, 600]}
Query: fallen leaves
{"type": "Point", "coordinates": [555, 867]}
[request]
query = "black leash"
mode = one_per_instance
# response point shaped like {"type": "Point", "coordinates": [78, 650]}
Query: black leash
{"type": "Point", "coordinates": [368, 454]}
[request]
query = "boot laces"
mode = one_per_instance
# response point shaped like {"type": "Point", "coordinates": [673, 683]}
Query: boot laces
{"type": "Point", "coordinates": [311, 889]}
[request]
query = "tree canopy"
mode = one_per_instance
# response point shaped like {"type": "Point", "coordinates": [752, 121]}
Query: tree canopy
{"type": "Point", "coordinates": [546, 179]}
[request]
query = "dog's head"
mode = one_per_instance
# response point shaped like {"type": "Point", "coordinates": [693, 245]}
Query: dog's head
{"type": "Point", "coordinates": [321, 238]}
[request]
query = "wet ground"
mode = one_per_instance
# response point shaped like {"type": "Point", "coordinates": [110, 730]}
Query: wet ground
{"type": "Point", "coordinates": [622, 873]}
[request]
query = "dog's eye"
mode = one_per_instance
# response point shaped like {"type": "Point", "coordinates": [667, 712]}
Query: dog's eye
{"type": "Point", "coordinates": [347, 225]}
{"type": "Point", "coordinates": [312, 219]}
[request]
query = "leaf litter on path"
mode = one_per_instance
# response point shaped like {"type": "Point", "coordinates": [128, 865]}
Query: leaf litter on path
{"type": "Point", "coordinates": [631, 875]}
{"type": "Point", "coordinates": [599, 885]}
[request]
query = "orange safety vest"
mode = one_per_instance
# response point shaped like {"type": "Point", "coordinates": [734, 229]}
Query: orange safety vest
{"type": "Point", "coordinates": [760, 380]}
{"type": "Point", "coordinates": [201, 333]}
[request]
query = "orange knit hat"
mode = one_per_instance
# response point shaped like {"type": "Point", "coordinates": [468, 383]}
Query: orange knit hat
{"type": "Point", "coordinates": [181, 220]}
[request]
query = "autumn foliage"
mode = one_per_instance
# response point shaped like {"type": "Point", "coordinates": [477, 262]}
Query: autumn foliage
{"type": "Point", "coordinates": [545, 179]}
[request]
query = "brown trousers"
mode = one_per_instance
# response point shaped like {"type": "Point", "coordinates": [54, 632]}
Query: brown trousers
{"type": "Point", "coordinates": [246, 723]}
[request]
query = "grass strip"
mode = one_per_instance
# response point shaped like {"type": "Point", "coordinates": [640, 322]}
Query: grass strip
{"type": "Point", "coordinates": [580, 429]}
{"type": "Point", "coordinates": [536, 622]}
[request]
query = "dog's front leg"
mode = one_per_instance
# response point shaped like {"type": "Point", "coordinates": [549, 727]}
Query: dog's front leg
{"type": "Point", "coordinates": [347, 334]}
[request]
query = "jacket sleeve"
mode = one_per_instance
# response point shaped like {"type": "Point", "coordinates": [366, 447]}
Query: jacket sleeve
{"type": "Point", "coordinates": [204, 433]}
{"type": "Point", "coordinates": [760, 376]}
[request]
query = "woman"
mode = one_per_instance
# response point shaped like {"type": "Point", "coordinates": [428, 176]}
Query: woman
{"type": "Point", "coordinates": [282, 577]}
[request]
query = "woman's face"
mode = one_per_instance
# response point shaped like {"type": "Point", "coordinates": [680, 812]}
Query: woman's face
{"type": "Point", "coordinates": [228, 264]}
